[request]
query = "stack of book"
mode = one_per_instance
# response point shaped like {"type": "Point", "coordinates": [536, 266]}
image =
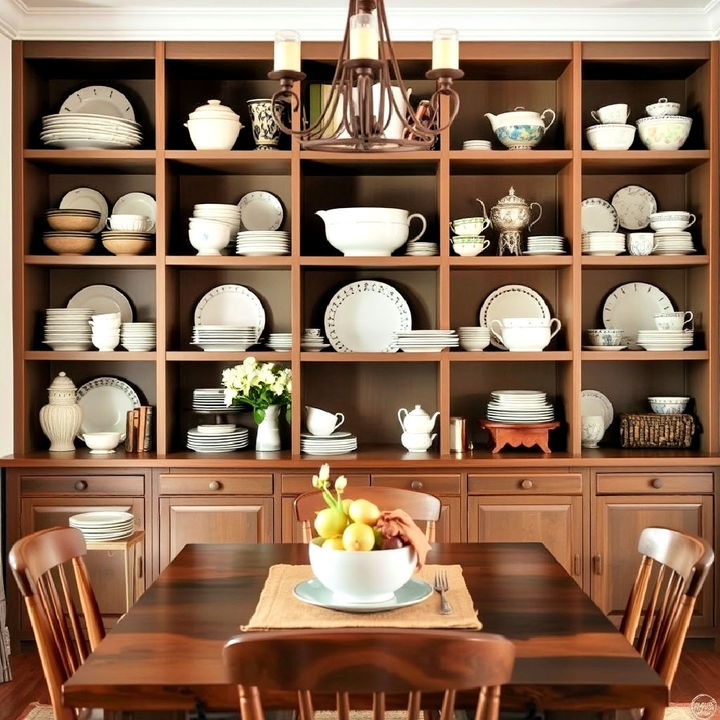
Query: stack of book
{"type": "Point", "coordinates": [139, 429]}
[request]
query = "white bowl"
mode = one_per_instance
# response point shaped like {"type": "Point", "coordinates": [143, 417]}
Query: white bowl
{"type": "Point", "coordinates": [129, 223]}
{"type": "Point", "coordinates": [362, 577]}
{"type": "Point", "coordinates": [667, 404]}
{"type": "Point", "coordinates": [610, 136]}
{"type": "Point", "coordinates": [605, 337]}
{"type": "Point", "coordinates": [662, 108]}
{"type": "Point", "coordinates": [664, 133]}
{"type": "Point", "coordinates": [469, 249]}
{"type": "Point", "coordinates": [349, 215]}
{"type": "Point", "coordinates": [367, 238]}
{"type": "Point", "coordinates": [209, 238]}
{"type": "Point", "coordinates": [474, 344]}
{"type": "Point", "coordinates": [213, 133]}
{"type": "Point", "coordinates": [102, 441]}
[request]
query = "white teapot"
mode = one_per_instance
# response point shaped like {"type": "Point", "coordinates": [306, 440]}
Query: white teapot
{"type": "Point", "coordinates": [417, 420]}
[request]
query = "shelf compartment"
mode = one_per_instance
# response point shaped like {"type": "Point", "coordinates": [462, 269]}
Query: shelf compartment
{"type": "Point", "coordinates": [639, 161]}
{"type": "Point", "coordinates": [234, 357]}
{"type": "Point", "coordinates": [489, 355]}
{"type": "Point", "coordinates": [644, 356]}
{"type": "Point", "coordinates": [119, 355]}
{"type": "Point", "coordinates": [502, 161]}
{"type": "Point", "coordinates": [77, 161]}
{"type": "Point", "coordinates": [508, 262]}
{"type": "Point", "coordinates": [251, 162]}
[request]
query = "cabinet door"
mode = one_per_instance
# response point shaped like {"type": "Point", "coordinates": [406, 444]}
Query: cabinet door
{"type": "Point", "coordinates": [106, 568]}
{"type": "Point", "coordinates": [556, 522]}
{"type": "Point", "coordinates": [449, 527]}
{"type": "Point", "coordinates": [186, 520]}
{"type": "Point", "coordinates": [616, 530]}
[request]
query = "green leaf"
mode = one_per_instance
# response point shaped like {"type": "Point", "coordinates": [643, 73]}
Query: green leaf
{"type": "Point", "coordinates": [258, 415]}
{"type": "Point", "coordinates": [288, 413]}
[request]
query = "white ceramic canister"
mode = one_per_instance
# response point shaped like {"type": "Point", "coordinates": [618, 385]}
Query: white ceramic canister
{"type": "Point", "coordinates": [60, 419]}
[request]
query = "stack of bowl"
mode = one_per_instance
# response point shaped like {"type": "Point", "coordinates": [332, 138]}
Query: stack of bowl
{"type": "Point", "coordinates": [671, 236]}
{"type": "Point", "coordinates": [469, 240]}
{"type": "Point", "coordinates": [138, 336]}
{"type": "Point", "coordinates": [129, 234]}
{"type": "Point", "coordinates": [212, 226]}
{"type": "Point", "coordinates": [474, 339]}
{"type": "Point", "coordinates": [213, 126]}
{"type": "Point", "coordinates": [313, 340]}
{"type": "Point", "coordinates": [613, 132]}
{"type": "Point", "coordinates": [72, 231]}
{"type": "Point", "coordinates": [663, 128]}
{"type": "Point", "coordinates": [105, 331]}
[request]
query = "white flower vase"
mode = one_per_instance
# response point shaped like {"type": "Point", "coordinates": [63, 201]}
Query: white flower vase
{"type": "Point", "coordinates": [268, 431]}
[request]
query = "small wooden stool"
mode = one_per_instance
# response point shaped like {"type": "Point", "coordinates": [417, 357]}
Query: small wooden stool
{"type": "Point", "coordinates": [515, 435]}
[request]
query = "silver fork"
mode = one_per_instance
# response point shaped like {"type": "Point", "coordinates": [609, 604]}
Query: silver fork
{"type": "Point", "coordinates": [441, 585]}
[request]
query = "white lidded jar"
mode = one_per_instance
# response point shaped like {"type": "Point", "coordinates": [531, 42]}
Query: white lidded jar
{"type": "Point", "coordinates": [60, 418]}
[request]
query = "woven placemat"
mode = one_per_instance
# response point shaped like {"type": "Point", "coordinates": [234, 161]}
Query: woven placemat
{"type": "Point", "coordinates": [278, 608]}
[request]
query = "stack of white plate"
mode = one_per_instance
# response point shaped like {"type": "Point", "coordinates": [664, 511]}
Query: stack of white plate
{"type": "Point", "coordinates": [84, 130]}
{"type": "Point", "coordinates": [219, 212]}
{"type": "Point", "coordinates": [313, 340]}
{"type": "Point", "coordinates": [138, 336]}
{"type": "Point", "coordinates": [522, 407]}
{"type": "Point", "coordinates": [474, 338]}
{"type": "Point", "coordinates": [338, 443]}
{"type": "Point", "coordinates": [660, 340]}
{"type": "Point", "coordinates": [603, 243]}
{"type": "Point", "coordinates": [280, 342]}
{"type": "Point", "coordinates": [477, 145]}
{"type": "Point", "coordinates": [68, 328]}
{"type": "Point", "coordinates": [104, 525]}
{"type": "Point", "coordinates": [213, 400]}
{"type": "Point", "coordinates": [673, 242]}
{"type": "Point", "coordinates": [217, 438]}
{"type": "Point", "coordinates": [421, 249]}
{"type": "Point", "coordinates": [221, 338]}
{"type": "Point", "coordinates": [545, 245]}
{"type": "Point", "coordinates": [263, 242]}
{"type": "Point", "coordinates": [426, 340]}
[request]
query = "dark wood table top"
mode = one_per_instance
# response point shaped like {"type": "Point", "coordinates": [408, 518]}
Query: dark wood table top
{"type": "Point", "coordinates": [166, 652]}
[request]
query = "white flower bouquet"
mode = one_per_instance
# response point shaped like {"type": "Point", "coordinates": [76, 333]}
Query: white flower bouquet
{"type": "Point", "coordinates": [259, 385]}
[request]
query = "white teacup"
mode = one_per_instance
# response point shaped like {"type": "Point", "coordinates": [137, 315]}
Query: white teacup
{"type": "Point", "coordinates": [641, 243]}
{"type": "Point", "coordinates": [312, 332]}
{"type": "Point", "coordinates": [673, 320]}
{"type": "Point", "coordinates": [321, 422]}
{"type": "Point", "coordinates": [518, 337]}
{"type": "Point", "coordinates": [129, 223]}
{"type": "Point", "coordinates": [616, 113]}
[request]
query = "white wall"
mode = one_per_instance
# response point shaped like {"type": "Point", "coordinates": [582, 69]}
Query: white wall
{"type": "Point", "coordinates": [6, 363]}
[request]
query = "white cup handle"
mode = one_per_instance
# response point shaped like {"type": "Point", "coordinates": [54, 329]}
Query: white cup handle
{"type": "Point", "coordinates": [341, 420]}
{"type": "Point", "coordinates": [688, 319]}
{"type": "Point", "coordinates": [692, 222]}
{"type": "Point", "coordinates": [400, 417]}
{"type": "Point", "coordinates": [542, 117]}
{"type": "Point", "coordinates": [595, 116]}
{"type": "Point", "coordinates": [557, 329]}
{"type": "Point", "coordinates": [486, 245]}
{"type": "Point", "coordinates": [539, 207]}
{"type": "Point", "coordinates": [486, 223]}
{"type": "Point", "coordinates": [424, 225]}
{"type": "Point", "coordinates": [498, 337]}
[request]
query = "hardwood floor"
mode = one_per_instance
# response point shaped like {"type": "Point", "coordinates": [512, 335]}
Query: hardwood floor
{"type": "Point", "coordinates": [699, 672]}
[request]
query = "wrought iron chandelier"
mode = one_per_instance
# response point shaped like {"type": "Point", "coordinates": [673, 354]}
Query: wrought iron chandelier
{"type": "Point", "coordinates": [362, 103]}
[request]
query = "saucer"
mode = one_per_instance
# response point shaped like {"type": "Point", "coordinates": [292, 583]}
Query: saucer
{"type": "Point", "coordinates": [604, 347]}
{"type": "Point", "coordinates": [314, 592]}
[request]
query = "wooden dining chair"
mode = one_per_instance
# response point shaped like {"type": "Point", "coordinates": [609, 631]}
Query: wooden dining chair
{"type": "Point", "coordinates": [422, 507]}
{"type": "Point", "coordinates": [672, 572]}
{"type": "Point", "coordinates": [372, 662]}
{"type": "Point", "coordinates": [50, 571]}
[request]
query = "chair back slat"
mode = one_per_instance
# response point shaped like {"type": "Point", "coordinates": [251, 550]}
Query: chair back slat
{"type": "Point", "coordinates": [673, 570]}
{"type": "Point", "coordinates": [52, 577]}
{"type": "Point", "coordinates": [370, 662]}
{"type": "Point", "coordinates": [422, 507]}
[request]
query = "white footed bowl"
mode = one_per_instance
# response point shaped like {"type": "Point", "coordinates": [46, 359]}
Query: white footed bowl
{"type": "Point", "coordinates": [610, 136]}
{"type": "Point", "coordinates": [105, 441]}
{"type": "Point", "coordinates": [215, 133]}
{"type": "Point", "coordinates": [363, 577]}
{"type": "Point", "coordinates": [664, 133]}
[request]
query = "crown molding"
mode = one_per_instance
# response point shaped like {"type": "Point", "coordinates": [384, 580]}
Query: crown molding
{"type": "Point", "coordinates": [253, 20]}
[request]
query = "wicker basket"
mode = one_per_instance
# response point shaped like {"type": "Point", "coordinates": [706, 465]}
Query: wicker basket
{"type": "Point", "coordinates": [650, 430]}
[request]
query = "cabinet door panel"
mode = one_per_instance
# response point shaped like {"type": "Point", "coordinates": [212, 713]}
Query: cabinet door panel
{"type": "Point", "coordinates": [556, 522]}
{"type": "Point", "coordinates": [618, 524]}
{"type": "Point", "coordinates": [186, 520]}
{"type": "Point", "coordinates": [449, 527]}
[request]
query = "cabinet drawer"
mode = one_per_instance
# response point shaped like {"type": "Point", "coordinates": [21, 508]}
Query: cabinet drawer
{"type": "Point", "coordinates": [664, 482]}
{"type": "Point", "coordinates": [128, 485]}
{"type": "Point", "coordinates": [296, 484]}
{"type": "Point", "coordinates": [422, 482]}
{"type": "Point", "coordinates": [529, 484]}
{"type": "Point", "coordinates": [216, 483]}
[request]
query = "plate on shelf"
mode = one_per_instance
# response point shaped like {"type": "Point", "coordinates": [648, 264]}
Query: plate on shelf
{"type": "Point", "coordinates": [233, 305]}
{"type": "Point", "coordinates": [103, 299]}
{"type": "Point", "coordinates": [593, 402]}
{"type": "Point", "coordinates": [634, 204]}
{"type": "Point", "coordinates": [260, 210]}
{"type": "Point", "coordinates": [604, 348]}
{"type": "Point", "coordinates": [137, 203]}
{"type": "Point", "coordinates": [598, 215]}
{"type": "Point", "coordinates": [105, 402]}
{"type": "Point", "coordinates": [512, 301]}
{"type": "Point", "coordinates": [364, 316]}
{"type": "Point", "coordinates": [632, 307]}
{"type": "Point", "coordinates": [314, 592]}
{"type": "Point", "coordinates": [85, 198]}
{"type": "Point", "coordinates": [99, 100]}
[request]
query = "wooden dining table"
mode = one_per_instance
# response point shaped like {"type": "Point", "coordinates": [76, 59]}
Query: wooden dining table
{"type": "Point", "coordinates": [165, 653]}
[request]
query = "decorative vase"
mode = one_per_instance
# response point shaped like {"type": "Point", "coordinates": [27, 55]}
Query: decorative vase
{"type": "Point", "coordinates": [60, 418]}
{"type": "Point", "coordinates": [593, 429]}
{"type": "Point", "coordinates": [268, 431]}
{"type": "Point", "coordinates": [266, 131]}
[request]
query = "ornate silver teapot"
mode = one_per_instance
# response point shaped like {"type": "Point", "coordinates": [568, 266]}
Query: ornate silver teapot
{"type": "Point", "coordinates": [511, 216]}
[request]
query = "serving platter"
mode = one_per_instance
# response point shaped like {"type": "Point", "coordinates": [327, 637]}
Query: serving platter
{"type": "Point", "coordinates": [512, 301]}
{"type": "Point", "coordinates": [632, 307]}
{"type": "Point", "coordinates": [233, 305]}
{"type": "Point", "coordinates": [103, 299]}
{"type": "Point", "coordinates": [593, 402]}
{"type": "Point", "coordinates": [105, 402]}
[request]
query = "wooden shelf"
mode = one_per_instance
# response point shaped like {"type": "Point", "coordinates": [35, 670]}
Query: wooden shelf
{"type": "Point", "coordinates": [504, 162]}
{"type": "Point", "coordinates": [233, 162]}
{"type": "Point", "coordinates": [229, 261]}
{"type": "Point", "coordinates": [123, 161]}
{"type": "Point", "coordinates": [108, 261]}
{"type": "Point", "coordinates": [643, 355]}
{"type": "Point", "coordinates": [617, 162]}
{"type": "Point", "coordinates": [394, 261]}
{"type": "Point", "coordinates": [402, 163]}
{"type": "Point", "coordinates": [644, 261]}
{"type": "Point", "coordinates": [528, 262]}
{"type": "Point", "coordinates": [231, 356]}
{"type": "Point", "coordinates": [499, 356]}
{"type": "Point", "coordinates": [375, 357]}
{"type": "Point", "coordinates": [90, 356]}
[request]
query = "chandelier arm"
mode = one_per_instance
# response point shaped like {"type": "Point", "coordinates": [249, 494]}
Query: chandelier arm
{"type": "Point", "coordinates": [454, 103]}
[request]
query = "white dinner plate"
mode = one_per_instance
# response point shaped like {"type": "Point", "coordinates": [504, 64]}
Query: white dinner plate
{"type": "Point", "coordinates": [233, 305]}
{"type": "Point", "coordinates": [632, 307]}
{"type": "Point", "coordinates": [103, 299]}
{"type": "Point", "coordinates": [511, 301]}
{"type": "Point", "coordinates": [593, 402]}
{"type": "Point", "coordinates": [84, 198]}
{"type": "Point", "coordinates": [137, 203]}
{"type": "Point", "coordinates": [260, 210]}
{"type": "Point", "coordinates": [634, 204]}
{"type": "Point", "coordinates": [105, 402]}
{"type": "Point", "coordinates": [99, 100]}
{"type": "Point", "coordinates": [365, 316]}
{"type": "Point", "coordinates": [598, 215]}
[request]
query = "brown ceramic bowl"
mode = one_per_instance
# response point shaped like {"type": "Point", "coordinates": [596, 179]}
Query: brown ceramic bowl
{"type": "Point", "coordinates": [129, 246]}
{"type": "Point", "coordinates": [73, 222]}
{"type": "Point", "coordinates": [69, 244]}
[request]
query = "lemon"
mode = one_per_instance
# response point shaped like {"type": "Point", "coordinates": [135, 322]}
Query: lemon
{"type": "Point", "coordinates": [358, 537]}
{"type": "Point", "coordinates": [364, 511]}
{"type": "Point", "coordinates": [335, 543]}
{"type": "Point", "coordinates": [346, 503]}
{"type": "Point", "coordinates": [330, 523]}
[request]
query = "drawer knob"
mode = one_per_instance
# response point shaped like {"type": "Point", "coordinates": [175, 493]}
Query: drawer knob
{"type": "Point", "coordinates": [657, 483]}
{"type": "Point", "coordinates": [416, 485]}
{"type": "Point", "coordinates": [526, 484]}
{"type": "Point", "coordinates": [81, 485]}
{"type": "Point", "coordinates": [215, 485]}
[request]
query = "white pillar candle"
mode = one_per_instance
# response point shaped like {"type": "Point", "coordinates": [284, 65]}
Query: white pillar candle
{"type": "Point", "coordinates": [287, 51]}
{"type": "Point", "coordinates": [446, 49]}
{"type": "Point", "coordinates": [364, 37]}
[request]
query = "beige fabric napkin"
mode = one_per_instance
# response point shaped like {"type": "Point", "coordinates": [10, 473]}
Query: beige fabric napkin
{"type": "Point", "coordinates": [278, 608]}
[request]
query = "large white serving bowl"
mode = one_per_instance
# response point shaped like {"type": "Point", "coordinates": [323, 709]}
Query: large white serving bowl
{"type": "Point", "coordinates": [348, 215]}
{"type": "Point", "coordinates": [214, 133]}
{"type": "Point", "coordinates": [363, 238]}
{"type": "Point", "coordinates": [610, 136]}
{"type": "Point", "coordinates": [664, 133]}
{"type": "Point", "coordinates": [363, 577]}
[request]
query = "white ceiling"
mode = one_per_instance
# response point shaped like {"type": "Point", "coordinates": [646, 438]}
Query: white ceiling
{"type": "Point", "coordinates": [324, 19]}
